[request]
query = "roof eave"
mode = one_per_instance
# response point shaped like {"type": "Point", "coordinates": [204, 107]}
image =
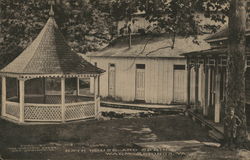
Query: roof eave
{"type": "Point", "coordinates": [210, 39]}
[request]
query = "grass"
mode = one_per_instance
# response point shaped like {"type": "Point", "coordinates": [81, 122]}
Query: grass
{"type": "Point", "coordinates": [102, 134]}
{"type": "Point", "coordinates": [106, 132]}
{"type": "Point", "coordinates": [93, 132]}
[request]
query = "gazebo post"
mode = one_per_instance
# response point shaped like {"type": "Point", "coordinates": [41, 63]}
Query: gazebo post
{"type": "Point", "coordinates": [98, 86]}
{"type": "Point", "coordinates": [21, 99]}
{"type": "Point", "coordinates": [96, 95]}
{"type": "Point", "coordinates": [17, 88]}
{"type": "Point", "coordinates": [44, 90]}
{"type": "Point", "coordinates": [77, 86]}
{"type": "Point", "coordinates": [188, 82]}
{"type": "Point", "coordinates": [63, 98]}
{"type": "Point", "coordinates": [3, 96]}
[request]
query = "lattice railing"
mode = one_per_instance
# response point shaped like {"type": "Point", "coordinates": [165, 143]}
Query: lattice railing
{"type": "Point", "coordinates": [42, 112]}
{"type": "Point", "coordinates": [80, 110]}
{"type": "Point", "coordinates": [76, 108]}
{"type": "Point", "coordinates": [12, 110]}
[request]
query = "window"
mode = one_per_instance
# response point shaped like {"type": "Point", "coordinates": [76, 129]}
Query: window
{"type": "Point", "coordinates": [179, 67]}
{"type": "Point", "coordinates": [140, 66]}
{"type": "Point", "coordinates": [112, 65]}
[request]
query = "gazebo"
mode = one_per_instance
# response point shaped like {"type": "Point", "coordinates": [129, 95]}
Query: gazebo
{"type": "Point", "coordinates": [48, 59]}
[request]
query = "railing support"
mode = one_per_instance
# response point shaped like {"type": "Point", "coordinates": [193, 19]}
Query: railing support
{"type": "Point", "coordinates": [77, 86]}
{"type": "Point", "coordinates": [21, 98]}
{"type": "Point", "coordinates": [63, 98]}
{"type": "Point", "coordinates": [3, 96]}
{"type": "Point", "coordinates": [96, 95]}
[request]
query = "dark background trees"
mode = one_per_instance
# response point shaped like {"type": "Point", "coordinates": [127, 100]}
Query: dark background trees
{"type": "Point", "coordinates": [84, 26]}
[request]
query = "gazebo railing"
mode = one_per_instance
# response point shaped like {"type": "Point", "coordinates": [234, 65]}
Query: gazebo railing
{"type": "Point", "coordinates": [12, 110]}
{"type": "Point", "coordinates": [42, 112]}
{"type": "Point", "coordinates": [53, 112]}
{"type": "Point", "coordinates": [81, 110]}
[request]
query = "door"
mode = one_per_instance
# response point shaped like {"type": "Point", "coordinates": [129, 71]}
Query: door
{"type": "Point", "coordinates": [111, 81]}
{"type": "Point", "coordinates": [140, 82]}
{"type": "Point", "coordinates": [179, 87]}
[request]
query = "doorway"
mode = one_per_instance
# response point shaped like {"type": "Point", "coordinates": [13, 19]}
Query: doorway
{"type": "Point", "coordinates": [140, 82]}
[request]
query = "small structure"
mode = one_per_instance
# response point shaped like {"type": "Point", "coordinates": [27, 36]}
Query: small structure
{"type": "Point", "coordinates": [149, 71]}
{"type": "Point", "coordinates": [48, 59]}
{"type": "Point", "coordinates": [206, 77]}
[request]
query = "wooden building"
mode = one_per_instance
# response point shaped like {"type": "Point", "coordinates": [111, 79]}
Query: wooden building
{"type": "Point", "coordinates": [149, 71]}
{"type": "Point", "coordinates": [206, 71]}
{"type": "Point", "coordinates": [48, 60]}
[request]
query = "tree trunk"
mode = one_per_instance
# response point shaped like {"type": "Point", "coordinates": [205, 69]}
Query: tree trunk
{"type": "Point", "coordinates": [237, 66]}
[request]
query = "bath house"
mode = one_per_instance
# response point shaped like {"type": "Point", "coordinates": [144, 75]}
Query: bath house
{"type": "Point", "coordinates": [148, 71]}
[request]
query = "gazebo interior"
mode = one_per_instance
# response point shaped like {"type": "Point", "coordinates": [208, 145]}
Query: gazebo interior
{"type": "Point", "coordinates": [49, 90]}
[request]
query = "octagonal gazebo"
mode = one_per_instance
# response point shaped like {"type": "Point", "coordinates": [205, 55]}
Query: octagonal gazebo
{"type": "Point", "coordinates": [48, 59]}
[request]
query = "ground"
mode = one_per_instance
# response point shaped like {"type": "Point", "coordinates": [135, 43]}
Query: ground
{"type": "Point", "coordinates": [159, 137]}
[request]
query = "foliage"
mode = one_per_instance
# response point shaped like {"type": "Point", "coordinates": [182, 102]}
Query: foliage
{"type": "Point", "coordinates": [88, 25]}
{"type": "Point", "coordinates": [175, 17]}
{"type": "Point", "coordinates": [84, 27]}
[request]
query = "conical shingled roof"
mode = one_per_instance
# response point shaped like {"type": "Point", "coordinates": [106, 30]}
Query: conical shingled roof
{"type": "Point", "coordinates": [50, 54]}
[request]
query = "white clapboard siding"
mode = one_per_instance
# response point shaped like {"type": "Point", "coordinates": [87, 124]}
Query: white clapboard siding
{"type": "Point", "coordinates": [158, 78]}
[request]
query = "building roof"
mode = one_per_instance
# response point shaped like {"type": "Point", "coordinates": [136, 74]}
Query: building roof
{"type": "Point", "coordinates": [222, 35]}
{"type": "Point", "coordinates": [150, 47]}
{"type": "Point", "coordinates": [49, 54]}
{"type": "Point", "coordinates": [212, 52]}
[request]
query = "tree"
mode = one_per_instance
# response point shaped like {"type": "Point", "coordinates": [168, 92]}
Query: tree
{"type": "Point", "coordinates": [237, 64]}
{"type": "Point", "coordinates": [84, 26]}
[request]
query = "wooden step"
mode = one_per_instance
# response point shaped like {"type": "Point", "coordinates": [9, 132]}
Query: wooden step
{"type": "Point", "coordinates": [218, 136]}
{"type": "Point", "coordinates": [142, 107]}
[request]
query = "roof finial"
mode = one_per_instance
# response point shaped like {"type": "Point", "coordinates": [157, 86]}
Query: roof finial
{"type": "Point", "coordinates": [51, 12]}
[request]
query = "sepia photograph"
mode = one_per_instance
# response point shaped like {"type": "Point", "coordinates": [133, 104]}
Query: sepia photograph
{"type": "Point", "coordinates": [125, 80]}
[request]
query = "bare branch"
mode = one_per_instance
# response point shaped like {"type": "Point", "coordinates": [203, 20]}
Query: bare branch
{"type": "Point", "coordinates": [158, 49]}
{"type": "Point", "coordinates": [139, 53]}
